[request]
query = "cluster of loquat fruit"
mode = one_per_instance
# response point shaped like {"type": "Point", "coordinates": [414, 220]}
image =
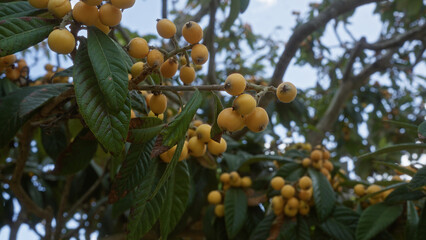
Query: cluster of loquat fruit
{"type": "Point", "coordinates": [13, 67]}
{"type": "Point", "coordinates": [232, 179]}
{"type": "Point", "coordinates": [86, 12]}
{"type": "Point", "coordinates": [197, 143]}
{"type": "Point", "coordinates": [295, 198]}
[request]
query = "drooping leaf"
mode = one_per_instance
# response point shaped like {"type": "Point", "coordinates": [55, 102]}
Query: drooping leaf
{"type": "Point", "coordinates": [176, 199]}
{"type": "Point", "coordinates": [235, 211]}
{"type": "Point", "coordinates": [233, 14]}
{"type": "Point", "coordinates": [262, 229]}
{"type": "Point", "coordinates": [144, 129]}
{"type": "Point", "coordinates": [10, 107]}
{"type": "Point", "coordinates": [341, 224]}
{"type": "Point", "coordinates": [303, 229]}
{"type": "Point", "coordinates": [375, 219]}
{"type": "Point", "coordinates": [132, 171]}
{"type": "Point", "coordinates": [20, 33]}
{"type": "Point", "coordinates": [65, 73]}
{"type": "Point", "coordinates": [216, 131]}
{"type": "Point", "coordinates": [38, 98]}
{"type": "Point", "coordinates": [244, 5]}
{"type": "Point", "coordinates": [109, 126]}
{"type": "Point", "coordinates": [393, 148]}
{"type": "Point", "coordinates": [78, 154]}
{"type": "Point", "coordinates": [234, 161]}
{"type": "Point", "coordinates": [6, 87]}
{"type": "Point", "coordinates": [404, 193]}
{"type": "Point", "coordinates": [245, 166]}
{"type": "Point", "coordinates": [110, 70]}
{"type": "Point", "coordinates": [177, 129]}
{"type": "Point", "coordinates": [412, 221]}
{"type": "Point", "coordinates": [323, 194]}
{"type": "Point", "coordinates": [54, 140]}
{"type": "Point", "coordinates": [397, 167]}
{"type": "Point", "coordinates": [145, 213]}
{"type": "Point", "coordinates": [18, 9]}
{"type": "Point", "coordinates": [419, 179]}
{"type": "Point", "coordinates": [138, 102]}
{"type": "Point", "coordinates": [124, 56]}
{"type": "Point", "coordinates": [291, 171]}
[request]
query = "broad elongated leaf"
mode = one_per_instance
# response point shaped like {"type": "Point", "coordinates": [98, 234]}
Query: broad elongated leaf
{"type": "Point", "coordinates": [110, 70]}
{"type": "Point", "coordinates": [20, 33]}
{"type": "Point", "coordinates": [404, 193]}
{"type": "Point", "coordinates": [6, 87]}
{"type": "Point", "coordinates": [412, 221]}
{"type": "Point", "coordinates": [419, 179]}
{"type": "Point", "coordinates": [341, 224]}
{"type": "Point", "coordinates": [144, 129]}
{"type": "Point", "coordinates": [375, 219]}
{"type": "Point", "coordinates": [38, 98]}
{"type": "Point", "coordinates": [177, 129]}
{"type": "Point", "coordinates": [393, 148]}
{"type": "Point", "coordinates": [78, 154]}
{"type": "Point", "coordinates": [235, 211]}
{"type": "Point", "coordinates": [291, 171]}
{"type": "Point", "coordinates": [138, 102]}
{"type": "Point", "coordinates": [323, 194]}
{"type": "Point", "coordinates": [245, 166]}
{"type": "Point", "coordinates": [216, 131]}
{"type": "Point", "coordinates": [233, 14]}
{"type": "Point", "coordinates": [109, 126]}
{"type": "Point", "coordinates": [145, 213]}
{"type": "Point", "coordinates": [397, 167]}
{"type": "Point", "coordinates": [132, 171]}
{"type": "Point", "coordinates": [65, 73]}
{"type": "Point", "coordinates": [176, 199]}
{"type": "Point", "coordinates": [54, 140]}
{"type": "Point", "coordinates": [18, 9]}
{"type": "Point", "coordinates": [244, 5]}
{"type": "Point", "coordinates": [303, 229]}
{"type": "Point", "coordinates": [262, 229]}
{"type": "Point", "coordinates": [288, 231]}
{"type": "Point", "coordinates": [10, 107]}
{"type": "Point", "coordinates": [124, 56]}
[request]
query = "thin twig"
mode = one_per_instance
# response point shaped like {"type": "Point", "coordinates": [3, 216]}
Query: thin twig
{"type": "Point", "coordinates": [60, 216]}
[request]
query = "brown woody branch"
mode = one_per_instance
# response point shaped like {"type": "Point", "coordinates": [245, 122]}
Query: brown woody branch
{"type": "Point", "coordinates": [396, 41]}
{"type": "Point", "coordinates": [209, 42]}
{"type": "Point", "coordinates": [201, 88]}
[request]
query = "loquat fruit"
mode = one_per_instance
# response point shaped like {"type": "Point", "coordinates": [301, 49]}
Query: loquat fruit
{"type": "Point", "coordinates": [216, 148]}
{"type": "Point", "coordinates": [225, 177]}
{"type": "Point", "coordinates": [192, 32]}
{"type": "Point", "coordinates": [288, 191]}
{"type": "Point", "coordinates": [219, 210]}
{"type": "Point", "coordinates": [39, 3]}
{"type": "Point", "coordinates": [325, 154]}
{"type": "Point", "coordinates": [277, 182]}
{"type": "Point", "coordinates": [303, 208]}
{"type": "Point", "coordinates": [138, 47]}
{"type": "Point", "coordinates": [317, 165]}
{"type": "Point", "coordinates": [197, 123]}
{"type": "Point", "coordinates": [196, 147]}
{"type": "Point", "coordinates": [229, 120]}
{"type": "Point", "coordinates": [8, 60]}
{"type": "Point", "coordinates": [305, 182]}
{"type": "Point", "coordinates": [169, 68]}
{"type": "Point", "coordinates": [328, 165]}
{"type": "Point", "coordinates": [235, 84]}
{"type": "Point", "coordinates": [277, 203]}
{"type": "Point", "coordinates": [258, 120]}
{"type": "Point", "coordinates": [306, 162]}
{"type": "Point", "coordinates": [166, 28]}
{"type": "Point", "coordinates": [244, 104]}
{"type": "Point", "coordinates": [12, 73]}
{"type": "Point", "coordinates": [21, 64]}
{"type": "Point", "coordinates": [373, 189]}
{"type": "Point", "coordinates": [158, 103]}
{"type": "Point", "coordinates": [187, 74]}
{"type": "Point", "coordinates": [286, 92]}
{"type": "Point", "coordinates": [109, 15]}
{"type": "Point", "coordinates": [92, 2]}
{"type": "Point", "coordinates": [137, 69]}
{"type": "Point", "coordinates": [59, 8]}
{"type": "Point", "coordinates": [168, 155]}
{"type": "Point", "coordinates": [190, 133]}
{"type": "Point", "coordinates": [155, 58]}
{"type": "Point", "coordinates": [246, 182]}
{"type": "Point", "coordinates": [316, 155]}
{"type": "Point", "coordinates": [293, 202]}
{"type": "Point", "coordinates": [199, 54]}
{"type": "Point", "coordinates": [85, 14]}
{"type": "Point", "coordinates": [359, 190]}
{"type": "Point", "coordinates": [159, 116]}
{"type": "Point", "coordinates": [214, 197]}
{"type": "Point", "coordinates": [289, 211]}
{"type": "Point", "coordinates": [305, 195]}
{"type": "Point", "coordinates": [104, 28]}
{"type": "Point", "coordinates": [123, 4]}
{"type": "Point", "coordinates": [61, 41]}
{"type": "Point", "coordinates": [203, 132]}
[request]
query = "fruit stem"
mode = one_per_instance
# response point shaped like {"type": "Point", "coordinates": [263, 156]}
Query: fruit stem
{"type": "Point", "coordinates": [177, 51]}
{"type": "Point", "coordinates": [65, 20]}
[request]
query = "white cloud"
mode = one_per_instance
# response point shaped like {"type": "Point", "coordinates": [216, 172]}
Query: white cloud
{"type": "Point", "coordinates": [268, 2]}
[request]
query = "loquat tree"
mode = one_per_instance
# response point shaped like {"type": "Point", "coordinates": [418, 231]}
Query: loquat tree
{"type": "Point", "coordinates": [183, 135]}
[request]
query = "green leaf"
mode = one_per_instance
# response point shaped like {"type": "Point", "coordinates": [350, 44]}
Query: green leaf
{"type": "Point", "coordinates": [110, 70]}
{"type": "Point", "coordinates": [419, 179]}
{"type": "Point", "coordinates": [234, 161]}
{"type": "Point", "coordinates": [404, 193]}
{"type": "Point", "coordinates": [375, 219]}
{"type": "Point", "coordinates": [176, 199]}
{"type": "Point", "coordinates": [17, 34]}
{"type": "Point", "coordinates": [65, 73]}
{"type": "Point", "coordinates": [144, 213]}
{"type": "Point", "coordinates": [422, 130]}
{"type": "Point", "coordinates": [303, 229]}
{"type": "Point", "coordinates": [412, 221]}
{"type": "Point", "coordinates": [78, 154]}
{"type": "Point", "coordinates": [54, 140]}
{"type": "Point", "coordinates": [235, 211]}
{"type": "Point", "coordinates": [323, 194]}
{"type": "Point", "coordinates": [288, 231]}
{"type": "Point", "coordinates": [421, 228]}
{"type": "Point", "coordinates": [17, 102]}
{"type": "Point", "coordinates": [38, 98]}
{"type": "Point", "coordinates": [244, 5]}
{"type": "Point", "coordinates": [110, 127]}
{"type": "Point", "coordinates": [124, 56]}
{"type": "Point", "coordinates": [393, 148]}
{"type": "Point", "coordinates": [233, 14]}
{"type": "Point", "coordinates": [138, 102]}
{"type": "Point", "coordinates": [176, 130]}
{"type": "Point", "coordinates": [341, 224]}
{"type": "Point", "coordinates": [216, 131]}
{"type": "Point", "coordinates": [144, 129]}
{"type": "Point", "coordinates": [397, 167]}
{"type": "Point", "coordinates": [291, 171]}
{"type": "Point", "coordinates": [6, 87]}
{"type": "Point", "coordinates": [132, 171]}
{"type": "Point", "coordinates": [18, 9]}
{"type": "Point", "coordinates": [262, 229]}
{"type": "Point", "coordinates": [245, 166]}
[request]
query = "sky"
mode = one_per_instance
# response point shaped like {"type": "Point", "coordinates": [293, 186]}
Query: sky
{"type": "Point", "coordinates": [264, 16]}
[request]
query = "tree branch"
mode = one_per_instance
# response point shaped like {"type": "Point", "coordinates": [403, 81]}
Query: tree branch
{"type": "Point", "coordinates": [355, 52]}
{"type": "Point", "coordinates": [395, 41]}
{"type": "Point", "coordinates": [60, 216]}
{"type": "Point", "coordinates": [202, 88]}
{"type": "Point", "coordinates": [209, 42]}
{"type": "Point", "coordinates": [300, 33]}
